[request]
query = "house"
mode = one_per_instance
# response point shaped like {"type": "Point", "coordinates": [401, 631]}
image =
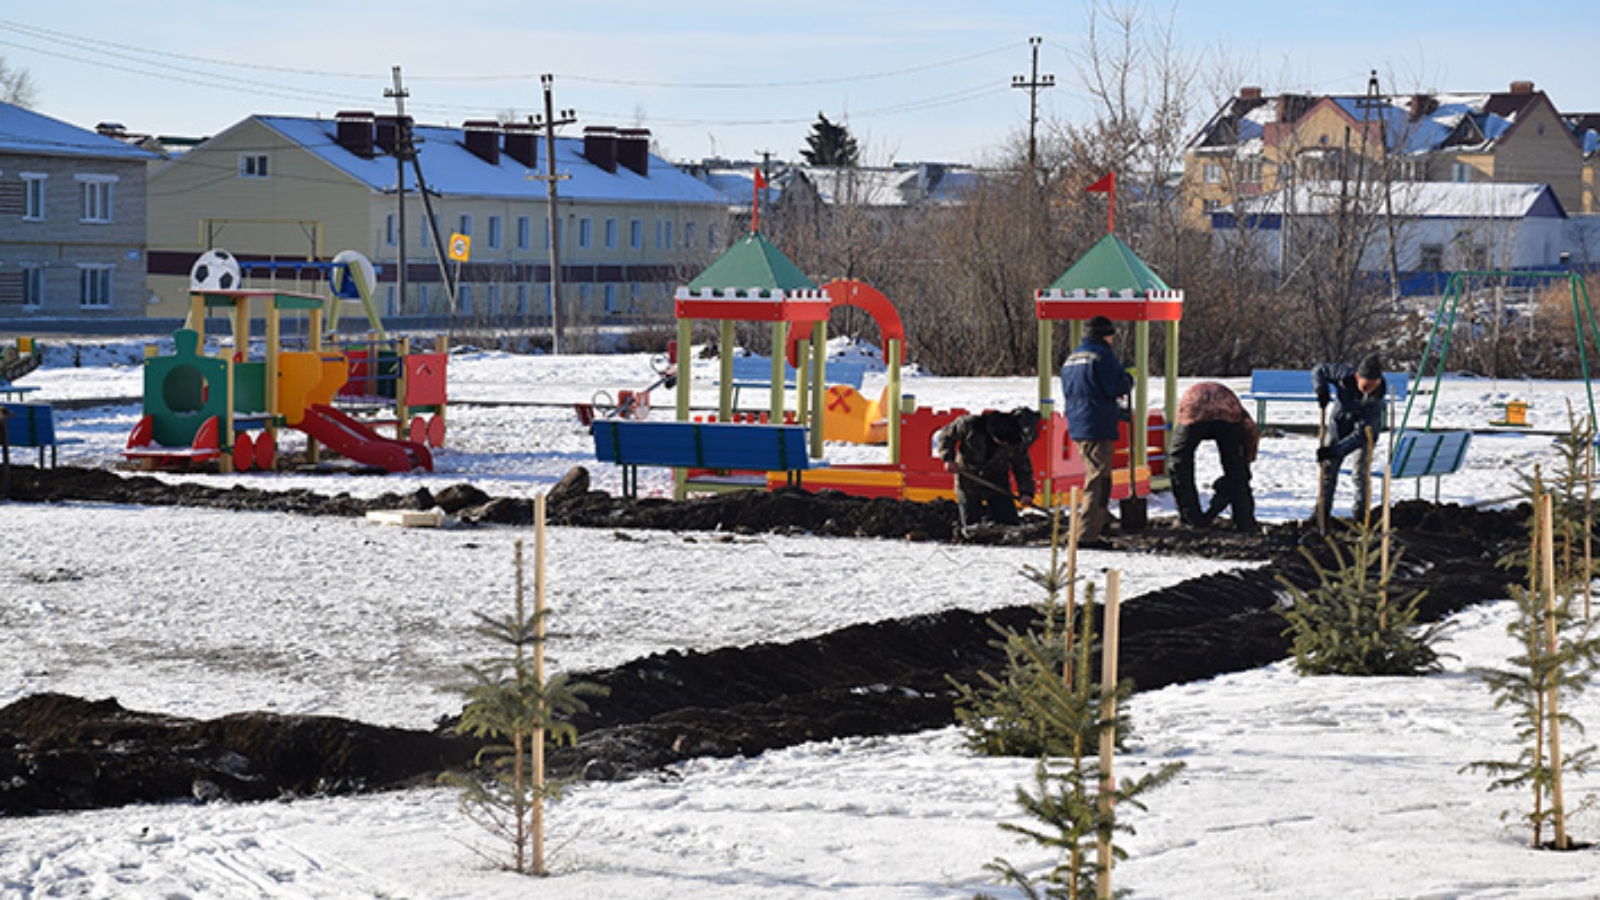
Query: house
{"type": "Point", "coordinates": [1257, 144]}
{"type": "Point", "coordinates": [72, 221]}
{"type": "Point", "coordinates": [883, 191]}
{"type": "Point", "coordinates": [286, 194]}
{"type": "Point", "coordinates": [1436, 226]}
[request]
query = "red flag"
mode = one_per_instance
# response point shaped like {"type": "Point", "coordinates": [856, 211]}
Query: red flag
{"type": "Point", "coordinates": [755, 205]}
{"type": "Point", "coordinates": [1107, 185]}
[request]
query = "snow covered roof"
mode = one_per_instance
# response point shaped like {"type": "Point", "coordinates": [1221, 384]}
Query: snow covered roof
{"type": "Point", "coordinates": [1420, 200]}
{"type": "Point", "coordinates": [850, 186]}
{"type": "Point", "coordinates": [450, 168]}
{"type": "Point", "coordinates": [29, 133]}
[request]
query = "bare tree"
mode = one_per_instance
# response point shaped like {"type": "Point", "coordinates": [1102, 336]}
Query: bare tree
{"type": "Point", "coordinates": [17, 86]}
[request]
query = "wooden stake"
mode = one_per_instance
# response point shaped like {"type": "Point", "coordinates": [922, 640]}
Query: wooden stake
{"type": "Point", "coordinates": [1588, 520]}
{"type": "Point", "coordinates": [538, 674]}
{"type": "Point", "coordinates": [1073, 528]}
{"type": "Point", "coordinates": [1321, 515]}
{"type": "Point", "coordinates": [1112, 632]}
{"type": "Point", "coordinates": [1383, 554]}
{"type": "Point", "coordinates": [1552, 646]}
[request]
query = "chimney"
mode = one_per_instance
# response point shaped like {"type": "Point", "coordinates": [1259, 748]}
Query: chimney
{"type": "Point", "coordinates": [521, 143]}
{"type": "Point", "coordinates": [483, 140]}
{"type": "Point", "coordinates": [600, 146]}
{"type": "Point", "coordinates": [1423, 105]}
{"type": "Point", "coordinates": [1521, 87]}
{"type": "Point", "coordinates": [633, 150]}
{"type": "Point", "coordinates": [1250, 92]}
{"type": "Point", "coordinates": [355, 132]}
{"type": "Point", "coordinates": [387, 133]}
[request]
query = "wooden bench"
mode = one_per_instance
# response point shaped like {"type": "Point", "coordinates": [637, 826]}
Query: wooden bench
{"type": "Point", "coordinates": [1428, 454]}
{"type": "Point", "coordinates": [700, 445]}
{"type": "Point", "coordinates": [755, 373]}
{"type": "Point", "coordinates": [34, 425]}
{"type": "Point", "coordinates": [1295, 386]}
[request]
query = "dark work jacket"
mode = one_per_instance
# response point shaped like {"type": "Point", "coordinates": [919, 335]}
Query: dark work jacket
{"type": "Point", "coordinates": [967, 443]}
{"type": "Point", "coordinates": [1091, 382]}
{"type": "Point", "coordinates": [1352, 413]}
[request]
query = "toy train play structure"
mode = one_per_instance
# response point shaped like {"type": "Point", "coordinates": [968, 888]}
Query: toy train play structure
{"type": "Point", "coordinates": [229, 408]}
{"type": "Point", "coordinates": [780, 446]}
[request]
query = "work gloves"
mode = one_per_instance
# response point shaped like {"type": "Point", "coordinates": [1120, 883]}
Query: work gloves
{"type": "Point", "coordinates": [1324, 397]}
{"type": "Point", "coordinates": [1327, 454]}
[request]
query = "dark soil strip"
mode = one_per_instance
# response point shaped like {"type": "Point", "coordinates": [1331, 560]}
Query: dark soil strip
{"type": "Point", "coordinates": [889, 677]}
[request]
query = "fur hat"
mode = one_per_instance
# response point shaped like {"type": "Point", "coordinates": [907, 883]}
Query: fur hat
{"type": "Point", "coordinates": [1100, 327]}
{"type": "Point", "coordinates": [1005, 429]}
{"type": "Point", "coordinates": [1370, 367]}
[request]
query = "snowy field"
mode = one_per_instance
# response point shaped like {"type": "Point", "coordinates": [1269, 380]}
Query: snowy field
{"type": "Point", "coordinates": [1294, 788]}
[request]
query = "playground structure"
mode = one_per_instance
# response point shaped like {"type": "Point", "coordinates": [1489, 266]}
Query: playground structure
{"type": "Point", "coordinates": [228, 408]}
{"type": "Point", "coordinates": [754, 282]}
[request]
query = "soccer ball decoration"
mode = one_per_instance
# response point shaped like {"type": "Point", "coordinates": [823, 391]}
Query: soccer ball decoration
{"type": "Point", "coordinates": [215, 270]}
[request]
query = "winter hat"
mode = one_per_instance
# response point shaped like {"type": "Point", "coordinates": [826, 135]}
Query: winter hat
{"type": "Point", "coordinates": [1005, 430]}
{"type": "Point", "coordinates": [1100, 327]}
{"type": "Point", "coordinates": [1370, 368]}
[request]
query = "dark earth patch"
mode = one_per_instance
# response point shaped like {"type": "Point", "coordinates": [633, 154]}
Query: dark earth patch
{"type": "Point", "coordinates": [888, 677]}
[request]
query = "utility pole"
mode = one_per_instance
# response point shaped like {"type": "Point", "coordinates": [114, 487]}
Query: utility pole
{"type": "Point", "coordinates": [1033, 84]}
{"type": "Point", "coordinates": [402, 152]}
{"type": "Point", "coordinates": [549, 123]}
{"type": "Point", "coordinates": [404, 137]}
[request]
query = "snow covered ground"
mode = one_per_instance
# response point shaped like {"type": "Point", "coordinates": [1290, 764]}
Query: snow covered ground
{"type": "Point", "coordinates": [1294, 788]}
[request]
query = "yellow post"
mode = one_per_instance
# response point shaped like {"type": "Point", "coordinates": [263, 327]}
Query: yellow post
{"type": "Point", "coordinates": [1108, 717]}
{"type": "Point", "coordinates": [819, 374]}
{"type": "Point", "coordinates": [896, 407]}
{"type": "Point", "coordinates": [685, 363]}
{"type": "Point", "coordinates": [775, 398]}
{"type": "Point", "coordinates": [1046, 397]}
{"type": "Point", "coordinates": [402, 409]}
{"type": "Point", "coordinates": [725, 381]}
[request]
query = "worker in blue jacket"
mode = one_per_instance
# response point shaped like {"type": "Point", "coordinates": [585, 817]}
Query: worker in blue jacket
{"type": "Point", "coordinates": [1357, 396]}
{"type": "Point", "coordinates": [1092, 384]}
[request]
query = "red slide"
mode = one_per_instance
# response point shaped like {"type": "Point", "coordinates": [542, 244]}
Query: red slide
{"type": "Point", "coordinates": [351, 439]}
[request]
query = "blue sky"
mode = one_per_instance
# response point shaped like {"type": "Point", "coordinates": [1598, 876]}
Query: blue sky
{"type": "Point", "coordinates": [924, 80]}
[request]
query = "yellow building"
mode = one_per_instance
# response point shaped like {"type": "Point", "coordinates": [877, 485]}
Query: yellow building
{"type": "Point", "coordinates": [1256, 144]}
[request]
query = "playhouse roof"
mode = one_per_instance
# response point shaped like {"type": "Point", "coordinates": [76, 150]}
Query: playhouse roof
{"type": "Point", "coordinates": [752, 263]}
{"type": "Point", "coordinates": [1110, 265]}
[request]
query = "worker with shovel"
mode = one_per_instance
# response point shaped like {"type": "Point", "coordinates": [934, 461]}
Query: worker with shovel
{"type": "Point", "coordinates": [1093, 383]}
{"type": "Point", "coordinates": [1357, 397]}
{"type": "Point", "coordinates": [987, 452]}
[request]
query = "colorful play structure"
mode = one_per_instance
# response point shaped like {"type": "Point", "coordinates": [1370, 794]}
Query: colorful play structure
{"type": "Point", "coordinates": [754, 281]}
{"type": "Point", "coordinates": [228, 408]}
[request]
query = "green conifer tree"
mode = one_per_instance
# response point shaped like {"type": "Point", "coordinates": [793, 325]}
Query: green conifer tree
{"type": "Point", "coordinates": [1348, 624]}
{"type": "Point", "coordinates": [830, 144]}
{"type": "Point", "coordinates": [1558, 651]}
{"type": "Point", "coordinates": [509, 704]}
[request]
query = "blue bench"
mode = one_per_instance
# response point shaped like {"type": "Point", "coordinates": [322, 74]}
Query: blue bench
{"type": "Point", "coordinates": [700, 445]}
{"type": "Point", "coordinates": [14, 391]}
{"type": "Point", "coordinates": [1428, 454]}
{"type": "Point", "coordinates": [755, 373]}
{"type": "Point", "coordinates": [33, 425]}
{"type": "Point", "coordinates": [1295, 386]}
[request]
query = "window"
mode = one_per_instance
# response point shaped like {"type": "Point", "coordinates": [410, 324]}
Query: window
{"type": "Point", "coordinates": [1250, 171]}
{"type": "Point", "coordinates": [252, 165]}
{"type": "Point", "coordinates": [585, 229]}
{"type": "Point", "coordinates": [636, 234]}
{"type": "Point", "coordinates": [464, 298]}
{"type": "Point", "coordinates": [33, 196]}
{"type": "Point", "coordinates": [1210, 206]}
{"type": "Point", "coordinates": [1460, 172]}
{"type": "Point", "coordinates": [524, 232]}
{"type": "Point", "coordinates": [465, 225]}
{"type": "Point", "coordinates": [711, 236]}
{"type": "Point", "coordinates": [688, 234]}
{"type": "Point", "coordinates": [611, 299]}
{"type": "Point", "coordinates": [663, 235]}
{"type": "Point", "coordinates": [391, 301]}
{"type": "Point", "coordinates": [96, 197]}
{"type": "Point", "coordinates": [522, 299]}
{"type": "Point", "coordinates": [1211, 173]}
{"type": "Point", "coordinates": [32, 287]}
{"type": "Point", "coordinates": [94, 287]}
{"type": "Point", "coordinates": [494, 233]}
{"type": "Point", "coordinates": [1431, 258]}
{"type": "Point", "coordinates": [391, 229]}
{"type": "Point", "coordinates": [422, 298]}
{"type": "Point", "coordinates": [492, 303]}
{"type": "Point", "coordinates": [611, 234]}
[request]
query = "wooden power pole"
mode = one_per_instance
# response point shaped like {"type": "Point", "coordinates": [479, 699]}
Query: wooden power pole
{"type": "Point", "coordinates": [549, 123]}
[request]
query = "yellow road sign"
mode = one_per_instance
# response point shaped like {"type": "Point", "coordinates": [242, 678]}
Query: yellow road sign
{"type": "Point", "coordinates": [460, 247]}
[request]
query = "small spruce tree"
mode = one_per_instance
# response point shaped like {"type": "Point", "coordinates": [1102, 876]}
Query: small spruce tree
{"type": "Point", "coordinates": [1558, 650]}
{"type": "Point", "coordinates": [1347, 624]}
{"type": "Point", "coordinates": [830, 144]}
{"type": "Point", "coordinates": [508, 703]}
{"type": "Point", "coordinates": [1047, 702]}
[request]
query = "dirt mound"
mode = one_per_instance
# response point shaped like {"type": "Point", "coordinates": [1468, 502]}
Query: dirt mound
{"type": "Point", "coordinates": [876, 678]}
